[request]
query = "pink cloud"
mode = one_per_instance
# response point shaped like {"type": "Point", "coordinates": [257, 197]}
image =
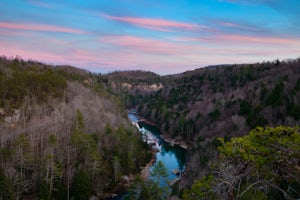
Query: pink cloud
{"type": "Point", "coordinates": [57, 41]}
{"type": "Point", "coordinates": [221, 39]}
{"type": "Point", "coordinates": [229, 24]}
{"type": "Point", "coordinates": [155, 24]}
{"type": "Point", "coordinates": [81, 56]}
{"type": "Point", "coordinates": [6, 32]}
{"type": "Point", "coordinates": [13, 50]}
{"type": "Point", "coordinates": [187, 39]}
{"type": "Point", "coordinates": [191, 50]}
{"type": "Point", "coordinates": [164, 56]}
{"type": "Point", "coordinates": [39, 27]}
{"type": "Point", "coordinates": [257, 39]}
{"type": "Point", "coordinates": [140, 44]}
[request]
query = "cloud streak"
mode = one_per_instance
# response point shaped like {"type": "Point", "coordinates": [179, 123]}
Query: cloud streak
{"type": "Point", "coordinates": [139, 44]}
{"type": "Point", "coordinates": [39, 27]}
{"type": "Point", "coordinates": [259, 39]}
{"type": "Point", "coordinates": [174, 54]}
{"type": "Point", "coordinates": [238, 39]}
{"type": "Point", "coordinates": [116, 35]}
{"type": "Point", "coordinates": [155, 24]}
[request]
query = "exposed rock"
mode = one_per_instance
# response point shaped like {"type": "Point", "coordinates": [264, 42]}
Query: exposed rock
{"type": "Point", "coordinates": [2, 112]}
{"type": "Point", "coordinates": [93, 198]}
{"type": "Point", "coordinates": [15, 118]}
{"type": "Point", "coordinates": [126, 178]}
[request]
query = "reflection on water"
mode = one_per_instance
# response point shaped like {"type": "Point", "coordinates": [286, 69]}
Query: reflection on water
{"type": "Point", "coordinates": [173, 157]}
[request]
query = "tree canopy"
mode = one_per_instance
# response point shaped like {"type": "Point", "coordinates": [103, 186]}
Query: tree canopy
{"type": "Point", "coordinates": [265, 164]}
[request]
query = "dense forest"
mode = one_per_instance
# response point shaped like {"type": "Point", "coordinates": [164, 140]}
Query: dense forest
{"type": "Point", "coordinates": [198, 107]}
{"type": "Point", "coordinates": [63, 135]}
{"type": "Point", "coordinates": [235, 98]}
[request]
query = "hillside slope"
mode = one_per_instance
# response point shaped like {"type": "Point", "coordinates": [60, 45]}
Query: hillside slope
{"type": "Point", "coordinates": [196, 107]}
{"type": "Point", "coordinates": [227, 100]}
{"type": "Point", "coordinates": [62, 134]}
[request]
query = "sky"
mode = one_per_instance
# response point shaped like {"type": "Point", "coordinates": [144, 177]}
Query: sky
{"type": "Point", "coordinates": [163, 36]}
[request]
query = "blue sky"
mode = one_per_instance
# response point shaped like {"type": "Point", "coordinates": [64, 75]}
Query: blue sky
{"type": "Point", "coordinates": [164, 36]}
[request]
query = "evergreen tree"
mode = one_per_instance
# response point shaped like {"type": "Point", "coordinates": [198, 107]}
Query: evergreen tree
{"type": "Point", "coordinates": [262, 165]}
{"type": "Point", "coordinates": [153, 189]}
{"type": "Point", "coordinates": [82, 186]}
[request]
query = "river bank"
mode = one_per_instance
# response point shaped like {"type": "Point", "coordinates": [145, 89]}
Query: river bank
{"type": "Point", "coordinates": [178, 142]}
{"type": "Point", "coordinates": [166, 138]}
{"type": "Point", "coordinates": [121, 188]}
{"type": "Point", "coordinates": [171, 152]}
{"type": "Point", "coordinates": [145, 173]}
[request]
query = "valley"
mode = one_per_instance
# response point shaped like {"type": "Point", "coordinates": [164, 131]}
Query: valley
{"type": "Point", "coordinates": [149, 100]}
{"type": "Point", "coordinates": [195, 108]}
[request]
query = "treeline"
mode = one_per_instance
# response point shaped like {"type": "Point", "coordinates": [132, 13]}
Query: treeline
{"type": "Point", "coordinates": [134, 77]}
{"type": "Point", "coordinates": [131, 85]}
{"type": "Point", "coordinates": [17, 83]}
{"type": "Point", "coordinates": [30, 83]}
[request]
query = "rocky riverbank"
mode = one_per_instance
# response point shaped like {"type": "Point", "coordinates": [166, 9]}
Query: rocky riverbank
{"type": "Point", "coordinates": [145, 173]}
{"type": "Point", "coordinates": [126, 181]}
{"type": "Point", "coordinates": [178, 142]}
{"type": "Point", "coordinates": [165, 137]}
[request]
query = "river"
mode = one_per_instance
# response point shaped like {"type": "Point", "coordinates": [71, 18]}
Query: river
{"type": "Point", "coordinates": [172, 156]}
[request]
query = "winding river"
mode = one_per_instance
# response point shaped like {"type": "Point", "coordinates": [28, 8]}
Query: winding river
{"type": "Point", "coordinates": [172, 156]}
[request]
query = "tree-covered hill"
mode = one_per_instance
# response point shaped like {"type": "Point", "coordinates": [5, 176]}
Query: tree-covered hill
{"type": "Point", "coordinates": [63, 135]}
{"type": "Point", "coordinates": [226, 100]}
{"type": "Point", "coordinates": [198, 106]}
{"type": "Point", "coordinates": [136, 76]}
{"type": "Point", "coordinates": [132, 85]}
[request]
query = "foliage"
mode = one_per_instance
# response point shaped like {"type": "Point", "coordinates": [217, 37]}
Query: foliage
{"type": "Point", "coordinates": [159, 173]}
{"type": "Point", "coordinates": [263, 163]}
{"type": "Point", "coordinates": [73, 165]}
{"type": "Point", "coordinates": [276, 96]}
{"type": "Point", "coordinates": [6, 187]}
{"type": "Point", "coordinates": [200, 190]}
{"type": "Point", "coordinates": [51, 159]}
{"type": "Point", "coordinates": [245, 108]}
{"type": "Point", "coordinates": [260, 94]}
{"type": "Point", "coordinates": [153, 189]}
{"type": "Point", "coordinates": [214, 115]}
{"type": "Point", "coordinates": [39, 85]}
{"type": "Point", "coordinates": [82, 185]}
{"type": "Point", "coordinates": [44, 192]}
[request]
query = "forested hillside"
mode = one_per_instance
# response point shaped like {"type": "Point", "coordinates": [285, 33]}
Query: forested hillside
{"type": "Point", "coordinates": [227, 100]}
{"type": "Point", "coordinates": [130, 86]}
{"type": "Point", "coordinates": [263, 164]}
{"type": "Point", "coordinates": [197, 107]}
{"type": "Point", "coordinates": [63, 135]}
